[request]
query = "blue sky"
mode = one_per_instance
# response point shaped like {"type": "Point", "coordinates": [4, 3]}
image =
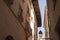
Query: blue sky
{"type": "Point", "coordinates": [42, 4]}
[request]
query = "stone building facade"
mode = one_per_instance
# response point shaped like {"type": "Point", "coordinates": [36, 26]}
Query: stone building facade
{"type": "Point", "coordinates": [38, 16]}
{"type": "Point", "coordinates": [15, 18]}
{"type": "Point", "coordinates": [46, 23]}
{"type": "Point", "coordinates": [53, 19]}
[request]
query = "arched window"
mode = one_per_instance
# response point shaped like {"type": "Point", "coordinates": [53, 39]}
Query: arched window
{"type": "Point", "coordinates": [54, 3]}
{"type": "Point", "coordinates": [9, 37]}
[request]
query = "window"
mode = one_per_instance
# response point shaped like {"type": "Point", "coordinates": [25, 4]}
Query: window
{"type": "Point", "coordinates": [54, 3]}
{"type": "Point", "coordinates": [40, 32]}
{"type": "Point", "coordinates": [57, 28]}
{"type": "Point", "coordinates": [9, 37]}
{"type": "Point", "coordinates": [28, 10]}
{"type": "Point", "coordinates": [38, 20]}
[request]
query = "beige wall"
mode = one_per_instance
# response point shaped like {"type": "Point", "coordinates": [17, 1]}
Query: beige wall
{"type": "Point", "coordinates": [9, 24]}
{"type": "Point", "coordinates": [46, 22]}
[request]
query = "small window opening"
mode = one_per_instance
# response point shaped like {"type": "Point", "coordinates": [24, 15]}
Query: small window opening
{"type": "Point", "coordinates": [9, 37]}
{"type": "Point", "coordinates": [54, 3]}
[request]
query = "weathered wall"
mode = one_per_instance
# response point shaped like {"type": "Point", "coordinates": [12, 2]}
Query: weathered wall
{"type": "Point", "coordinates": [53, 17]}
{"type": "Point", "coordinates": [9, 23]}
{"type": "Point", "coordinates": [46, 22]}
